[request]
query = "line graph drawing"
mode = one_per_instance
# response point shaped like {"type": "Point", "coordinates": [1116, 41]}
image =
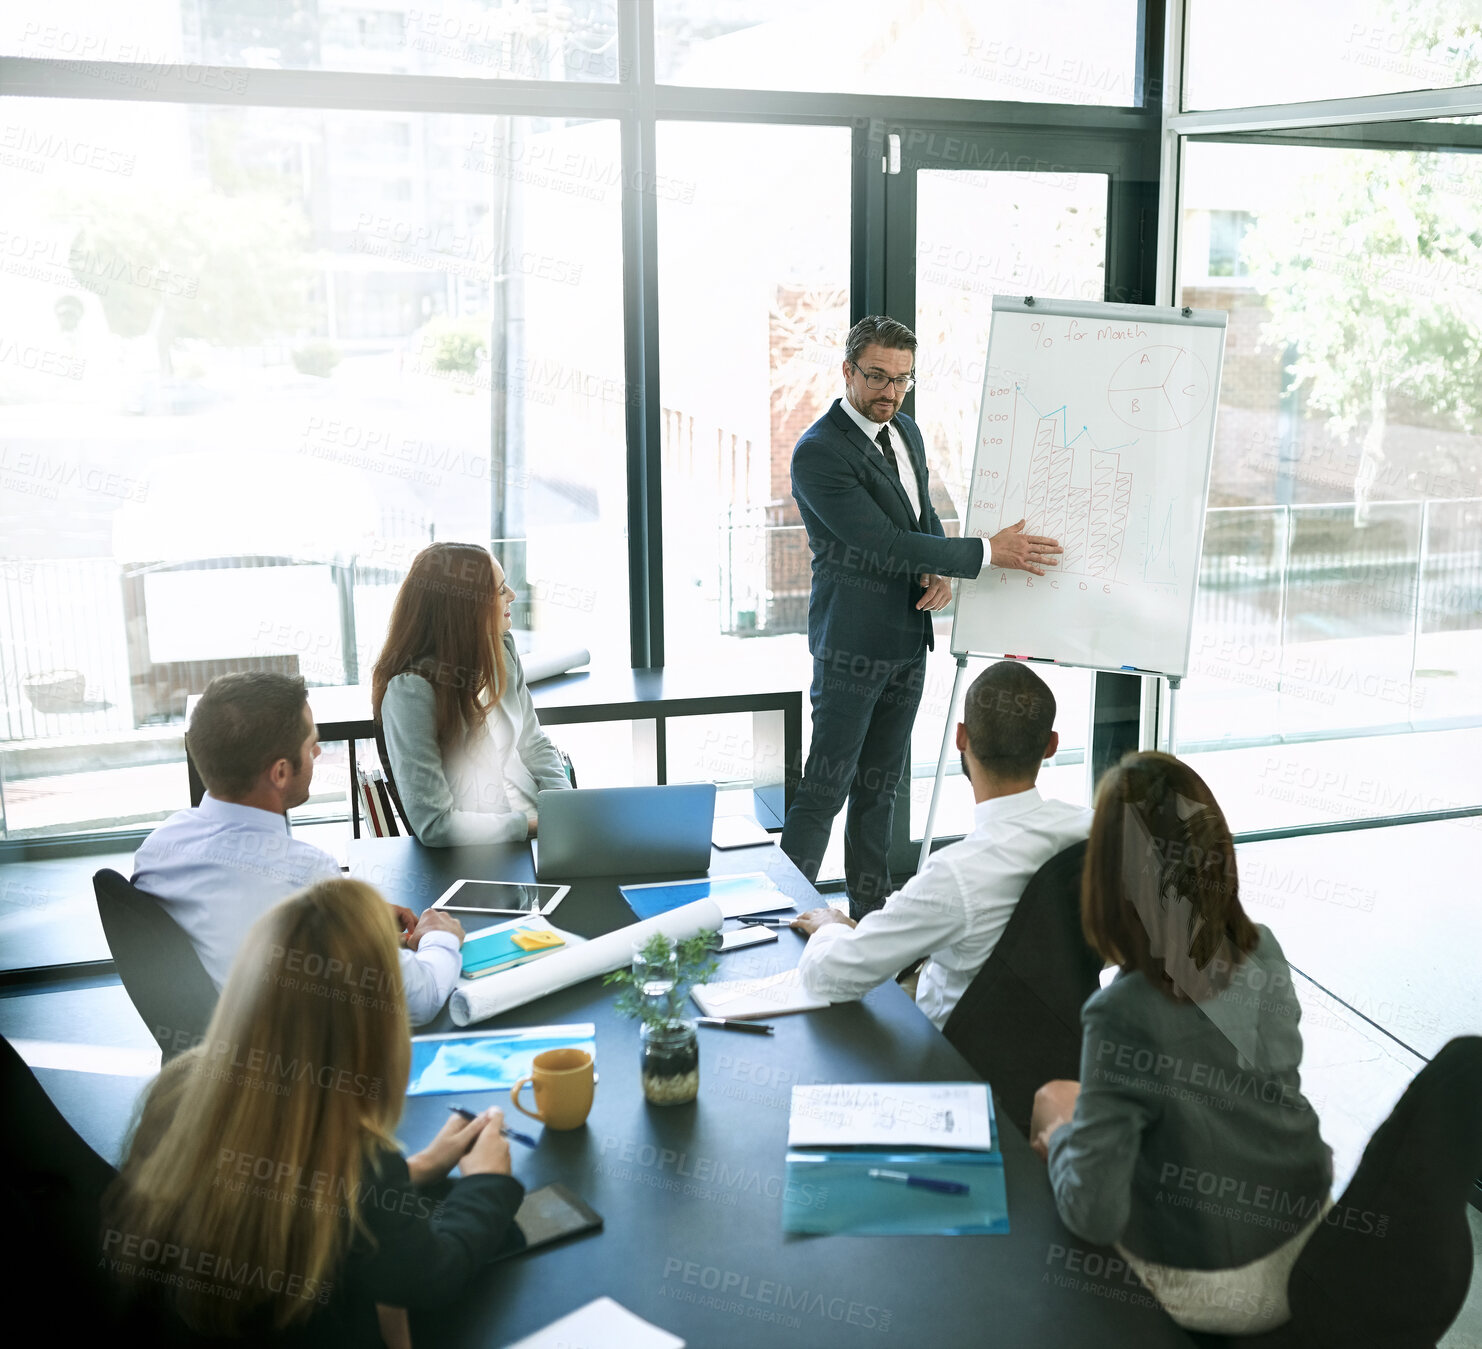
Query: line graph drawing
{"type": "Point", "coordinates": [1073, 491]}
{"type": "Point", "coordinates": [1159, 565]}
{"type": "Point", "coordinates": [1159, 388]}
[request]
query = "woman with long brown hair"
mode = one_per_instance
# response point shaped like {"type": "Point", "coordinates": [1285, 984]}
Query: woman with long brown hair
{"type": "Point", "coordinates": [466, 750]}
{"type": "Point", "coordinates": [1187, 1142]}
{"type": "Point", "coordinates": [264, 1195]}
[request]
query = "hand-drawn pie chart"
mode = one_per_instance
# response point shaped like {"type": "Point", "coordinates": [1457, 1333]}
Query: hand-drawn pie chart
{"type": "Point", "coordinates": [1159, 388]}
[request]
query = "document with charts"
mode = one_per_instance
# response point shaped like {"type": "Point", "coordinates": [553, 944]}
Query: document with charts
{"type": "Point", "coordinates": [892, 1114]}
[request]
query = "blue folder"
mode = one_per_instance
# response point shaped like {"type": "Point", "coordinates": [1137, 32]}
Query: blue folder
{"type": "Point", "coordinates": [648, 901]}
{"type": "Point", "coordinates": [833, 1192]}
{"type": "Point", "coordinates": [488, 1060]}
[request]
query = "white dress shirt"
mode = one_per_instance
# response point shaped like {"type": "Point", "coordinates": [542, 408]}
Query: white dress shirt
{"type": "Point", "coordinates": [217, 868]}
{"type": "Point", "coordinates": [953, 910]}
{"type": "Point", "coordinates": [903, 459]}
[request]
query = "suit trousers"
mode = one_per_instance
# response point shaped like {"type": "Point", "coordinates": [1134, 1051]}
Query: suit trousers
{"type": "Point", "coordinates": [863, 712]}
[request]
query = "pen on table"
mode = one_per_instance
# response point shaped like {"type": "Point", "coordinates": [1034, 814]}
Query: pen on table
{"type": "Point", "coordinates": [772, 922]}
{"type": "Point", "coordinates": [508, 1133]}
{"type": "Point", "coordinates": [734, 1023]}
{"type": "Point", "coordinates": [920, 1182]}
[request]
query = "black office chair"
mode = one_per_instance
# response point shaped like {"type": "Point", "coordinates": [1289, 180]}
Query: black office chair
{"type": "Point", "coordinates": [1019, 1022]}
{"type": "Point", "coordinates": [51, 1189]}
{"type": "Point", "coordinates": [157, 964]}
{"type": "Point", "coordinates": [391, 781]}
{"type": "Point", "coordinates": [1391, 1263]}
{"type": "Point", "coordinates": [1351, 1286]}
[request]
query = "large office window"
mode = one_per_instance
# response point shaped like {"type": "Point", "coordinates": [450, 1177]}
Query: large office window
{"type": "Point", "coordinates": [979, 234]}
{"type": "Point", "coordinates": [266, 329]}
{"type": "Point", "coordinates": [252, 359]}
{"type": "Point", "coordinates": [483, 39]}
{"type": "Point", "coordinates": [1272, 51]}
{"type": "Point", "coordinates": [1056, 51]}
{"type": "Point", "coordinates": [1337, 653]}
{"type": "Point", "coordinates": [754, 304]}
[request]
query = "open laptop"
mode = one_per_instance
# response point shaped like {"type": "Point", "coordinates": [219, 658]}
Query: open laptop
{"type": "Point", "coordinates": [624, 831]}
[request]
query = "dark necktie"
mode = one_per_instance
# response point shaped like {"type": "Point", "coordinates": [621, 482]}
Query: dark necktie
{"type": "Point", "coordinates": [888, 450]}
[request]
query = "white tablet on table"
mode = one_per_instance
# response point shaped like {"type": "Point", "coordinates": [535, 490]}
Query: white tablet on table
{"type": "Point", "coordinates": [501, 898]}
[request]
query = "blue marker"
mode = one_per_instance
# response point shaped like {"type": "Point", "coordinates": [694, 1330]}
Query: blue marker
{"type": "Point", "coordinates": [918, 1182]}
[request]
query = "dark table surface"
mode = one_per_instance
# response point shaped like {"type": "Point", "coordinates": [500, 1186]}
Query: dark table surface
{"type": "Point", "coordinates": [692, 1195]}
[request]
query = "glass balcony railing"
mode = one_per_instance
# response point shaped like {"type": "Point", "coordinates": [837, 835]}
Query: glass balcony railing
{"type": "Point", "coordinates": [1305, 628]}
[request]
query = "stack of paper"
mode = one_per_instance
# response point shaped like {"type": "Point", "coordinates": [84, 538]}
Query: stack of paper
{"type": "Point", "coordinates": [892, 1115]}
{"type": "Point", "coordinates": [748, 999]}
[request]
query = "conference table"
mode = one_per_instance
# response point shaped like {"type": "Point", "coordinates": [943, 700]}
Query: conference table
{"type": "Point", "coordinates": [692, 1195]}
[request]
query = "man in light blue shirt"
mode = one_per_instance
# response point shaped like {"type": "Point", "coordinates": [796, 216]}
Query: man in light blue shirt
{"type": "Point", "coordinates": [218, 867]}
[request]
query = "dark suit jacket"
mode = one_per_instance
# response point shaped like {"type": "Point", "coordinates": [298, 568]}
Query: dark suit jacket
{"type": "Point", "coordinates": [869, 552]}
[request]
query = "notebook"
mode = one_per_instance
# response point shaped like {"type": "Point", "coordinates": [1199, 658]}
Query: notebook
{"type": "Point", "coordinates": [745, 999]}
{"type": "Point", "coordinates": [503, 948]}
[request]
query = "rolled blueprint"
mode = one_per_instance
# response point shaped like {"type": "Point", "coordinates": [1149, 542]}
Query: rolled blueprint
{"type": "Point", "coordinates": [477, 999]}
{"type": "Point", "coordinates": [547, 664]}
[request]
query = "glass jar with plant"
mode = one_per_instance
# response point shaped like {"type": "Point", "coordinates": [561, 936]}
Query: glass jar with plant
{"type": "Point", "coordinates": [654, 991]}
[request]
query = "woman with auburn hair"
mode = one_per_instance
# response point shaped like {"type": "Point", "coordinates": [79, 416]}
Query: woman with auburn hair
{"type": "Point", "coordinates": [264, 1195]}
{"type": "Point", "coordinates": [463, 743]}
{"type": "Point", "coordinates": [1187, 1142]}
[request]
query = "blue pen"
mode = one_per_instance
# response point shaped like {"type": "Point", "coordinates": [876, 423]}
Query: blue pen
{"type": "Point", "coordinates": [508, 1133]}
{"type": "Point", "coordinates": [920, 1182]}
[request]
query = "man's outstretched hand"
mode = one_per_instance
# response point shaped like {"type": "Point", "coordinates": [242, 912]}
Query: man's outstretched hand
{"type": "Point", "coordinates": [1013, 548]}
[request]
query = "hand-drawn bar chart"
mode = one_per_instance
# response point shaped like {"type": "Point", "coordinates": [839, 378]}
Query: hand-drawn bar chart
{"type": "Point", "coordinates": [1072, 492]}
{"type": "Point", "coordinates": [1096, 428]}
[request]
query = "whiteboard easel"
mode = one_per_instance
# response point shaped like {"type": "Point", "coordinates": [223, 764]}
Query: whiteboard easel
{"type": "Point", "coordinates": [1096, 427]}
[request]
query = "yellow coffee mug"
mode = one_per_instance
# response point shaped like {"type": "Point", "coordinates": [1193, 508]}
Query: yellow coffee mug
{"type": "Point", "coordinates": [563, 1082]}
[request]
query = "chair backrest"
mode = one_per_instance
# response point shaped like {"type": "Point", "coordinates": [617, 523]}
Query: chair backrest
{"type": "Point", "coordinates": [1019, 1021]}
{"type": "Point", "coordinates": [390, 780]}
{"type": "Point", "coordinates": [156, 963]}
{"type": "Point", "coordinates": [52, 1185]}
{"type": "Point", "coordinates": [1392, 1261]}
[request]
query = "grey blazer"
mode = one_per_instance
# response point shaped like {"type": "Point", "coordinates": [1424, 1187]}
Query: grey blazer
{"type": "Point", "coordinates": [1192, 1143]}
{"type": "Point", "coordinates": [409, 722]}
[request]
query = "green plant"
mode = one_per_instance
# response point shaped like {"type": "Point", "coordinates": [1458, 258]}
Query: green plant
{"type": "Point", "coordinates": [692, 962]}
{"type": "Point", "coordinates": [316, 358]}
{"type": "Point", "coordinates": [455, 345]}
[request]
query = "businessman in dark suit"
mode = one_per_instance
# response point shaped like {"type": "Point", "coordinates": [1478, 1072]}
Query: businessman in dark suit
{"type": "Point", "coordinates": [881, 563]}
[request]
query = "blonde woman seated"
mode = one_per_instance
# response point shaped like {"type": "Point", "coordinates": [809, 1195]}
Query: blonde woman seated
{"type": "Point", "coordinates": [264, 1195]}
{"type": "Point", "coordinates": [1187, 1142]}
{"type": "Point", "coordinates": [465, 749]}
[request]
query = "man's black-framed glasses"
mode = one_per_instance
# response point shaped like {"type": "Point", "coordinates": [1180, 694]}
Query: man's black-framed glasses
{"type": "Point", "coordinates": [878, 379]}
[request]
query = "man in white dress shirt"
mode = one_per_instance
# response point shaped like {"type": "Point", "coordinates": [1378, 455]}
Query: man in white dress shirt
{"type": "Point", "coordinates": [954, 910]}
{"type": "Point", "coordinates": [219, 866]}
